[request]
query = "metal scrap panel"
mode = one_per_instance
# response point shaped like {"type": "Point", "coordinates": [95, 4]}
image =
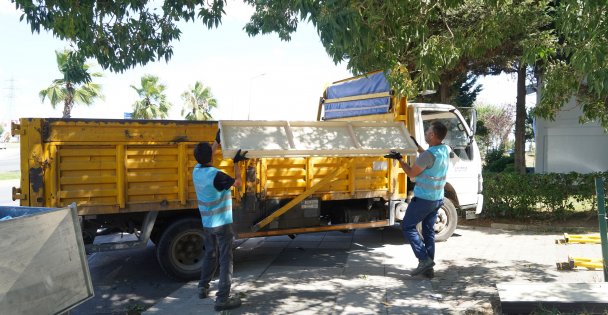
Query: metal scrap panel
{"type": "Point", "coordinates": [314, 138]}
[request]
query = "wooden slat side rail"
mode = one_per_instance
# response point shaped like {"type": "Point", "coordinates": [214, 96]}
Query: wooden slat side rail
{"type": "Point", "coordinates": [303, 196]}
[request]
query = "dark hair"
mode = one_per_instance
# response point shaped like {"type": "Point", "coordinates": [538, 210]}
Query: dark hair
{"type": "Point", "coordinates": [202, 153]}
{"type": "Point", "coordinates": [439, 129]}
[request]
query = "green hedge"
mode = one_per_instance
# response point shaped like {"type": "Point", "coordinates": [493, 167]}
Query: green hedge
{"type": "Point", "coordinates": [515, 195]}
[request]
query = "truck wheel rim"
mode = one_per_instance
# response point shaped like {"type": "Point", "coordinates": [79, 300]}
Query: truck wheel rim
{"type": "Point", "coordinates": [187, 251]}
{"type": "Point", "coordinates": [442, 220]}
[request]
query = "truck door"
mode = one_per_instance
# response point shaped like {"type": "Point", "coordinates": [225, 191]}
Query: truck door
{"type": "Point", "coordinates": [465, 163]}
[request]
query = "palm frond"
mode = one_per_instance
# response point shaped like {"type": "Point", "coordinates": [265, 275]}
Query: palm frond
{"type": "Point", "coordinates": [197, 101]}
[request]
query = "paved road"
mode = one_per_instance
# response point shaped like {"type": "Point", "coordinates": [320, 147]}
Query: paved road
{"type": "Point", "coordinates": [9, 158]}
{"type": "Point", "coordinates": [9, 161]}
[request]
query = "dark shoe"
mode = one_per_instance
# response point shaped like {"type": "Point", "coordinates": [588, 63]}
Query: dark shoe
{"type": "Point", "coordinates": [230, 303]}
{"type": "Point", "coordinates": [423, 266]}
{"type": "Point", "coordinates": [430, 273]}
{"type": "Point", "coordinates": [203, 293]}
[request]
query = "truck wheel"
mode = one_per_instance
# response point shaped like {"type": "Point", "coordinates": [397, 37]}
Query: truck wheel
{"type": "Point", "coordinates": [447, 220]}
{"type": "Point", "coordinates": [180, 250]}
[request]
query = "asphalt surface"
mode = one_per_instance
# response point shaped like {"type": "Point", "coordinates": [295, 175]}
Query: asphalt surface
{"type": "Point", "coordinates": [125, 282]}
{"type": "Point", "coordinates": [9, 162]}
{"type": "Point", "coordinates": [9, 157]}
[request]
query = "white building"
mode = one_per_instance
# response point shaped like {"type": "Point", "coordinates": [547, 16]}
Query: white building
{"type": "Point", "coordinates": [564, 145]}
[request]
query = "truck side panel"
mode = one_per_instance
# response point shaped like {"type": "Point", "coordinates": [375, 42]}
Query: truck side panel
{"type": "Point", "coordinates": [110, 166]}
{"type": "Point", "coordinates": [291, 177]}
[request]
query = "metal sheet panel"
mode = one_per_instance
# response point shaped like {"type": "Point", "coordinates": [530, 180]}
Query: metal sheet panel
{"type": "Point", "coordinates": [44, 268]}
{"type": "Point", "coordinates": [314, 138]}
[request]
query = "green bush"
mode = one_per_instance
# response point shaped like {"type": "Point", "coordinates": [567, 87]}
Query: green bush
{"type": "Point", "coordinates": [496, 161]}
{"type": "Point", "coordinates": [525, 195]}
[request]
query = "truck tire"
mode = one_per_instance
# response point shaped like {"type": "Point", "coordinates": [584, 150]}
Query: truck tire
{"type": "Point", "coordinates": [180, 250]}
{"type": "Point", "coordinates": [447, 220]}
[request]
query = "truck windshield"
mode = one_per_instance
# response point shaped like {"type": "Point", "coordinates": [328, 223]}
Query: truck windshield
{"type": "Point", "coordinates": [457, 137]}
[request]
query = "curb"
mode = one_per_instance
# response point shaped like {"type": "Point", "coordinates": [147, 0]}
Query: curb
{"type": "Point", "coordinates": [536, 228]}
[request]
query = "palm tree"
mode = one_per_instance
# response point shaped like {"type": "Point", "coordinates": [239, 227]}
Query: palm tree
{"type": "Point", "coordinates": [75, 87]}
{"type": "Point", "coordinates": [198, 102]}
{"type": "Point", "coordinates": [153, 102]}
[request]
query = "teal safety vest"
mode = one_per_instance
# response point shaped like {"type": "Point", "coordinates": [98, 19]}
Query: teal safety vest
{"type": "Point", "coordinates": [215, 206]}
{"type": "Point", "coordinates": [430, 183]}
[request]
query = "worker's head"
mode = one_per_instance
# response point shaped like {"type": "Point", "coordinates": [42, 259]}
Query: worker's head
{"type": "Point", "coordinates": [203, 153]}
{"type": "Point", "coordinates": [436, 132]}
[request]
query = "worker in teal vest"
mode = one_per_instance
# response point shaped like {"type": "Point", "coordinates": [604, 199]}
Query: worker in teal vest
{"type": "Point", "coordinates": [430, 171]}
{"type": "Point", "coordinates": [215, 206]}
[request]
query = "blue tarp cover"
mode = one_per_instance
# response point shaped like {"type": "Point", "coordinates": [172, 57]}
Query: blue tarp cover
{"type": "Point", "coordinates": [9, 212]}
{"type": "Point", "coordinates": [371, 84]}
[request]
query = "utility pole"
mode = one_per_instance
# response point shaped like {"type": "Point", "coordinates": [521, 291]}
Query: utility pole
{"type": "Point", "coordinates": [10, 98]}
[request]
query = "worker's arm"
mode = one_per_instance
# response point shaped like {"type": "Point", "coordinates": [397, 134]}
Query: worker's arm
{"type": "Point", "coordinates": [418, 147]}
{"type": "Point", "coordinates": [217, 143]}
{"type": "Point", "coordinates": [238, 157]}
{"type": "Point", "coordinates": [411, 171]}
{"type": "Point", "coordinates": [238, 181]}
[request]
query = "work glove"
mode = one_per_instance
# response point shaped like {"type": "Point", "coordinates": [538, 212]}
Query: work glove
{"type": "Point", "coordinates": [413, 139]}
{"type": "Point", "coordinates": [217, 137]}
{"type": "Point", "coordinates": [394, 155]}
{"type": "Point", "coordinates": [240, 156]}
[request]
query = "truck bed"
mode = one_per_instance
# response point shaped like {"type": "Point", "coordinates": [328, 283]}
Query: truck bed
{"type": "Point", "coordinates": [122, 166]}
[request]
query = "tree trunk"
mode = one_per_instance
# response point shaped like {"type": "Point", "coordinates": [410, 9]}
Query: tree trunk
{"type": "Point", "coordinates": [444, 91]}
{"type": "Point", "coordinates": [67, 108]}
{"type": "Point", "coordinates": [69, 100]}
{"type": "Point", "coordinates": [520, 121]}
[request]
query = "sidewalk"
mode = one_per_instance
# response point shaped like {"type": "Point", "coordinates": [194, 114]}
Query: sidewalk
{"type": "Point", "coordinates": [367, 272]}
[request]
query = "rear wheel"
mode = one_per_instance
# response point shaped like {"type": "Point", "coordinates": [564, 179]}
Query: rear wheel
{"type": "Point", "coordinates": [447, 220]}
{"type": "Point", "coordinates": [180, 249]}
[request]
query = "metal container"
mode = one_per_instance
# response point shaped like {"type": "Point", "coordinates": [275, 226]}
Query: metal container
{"type": "Point", "coordinates": [43, 265]}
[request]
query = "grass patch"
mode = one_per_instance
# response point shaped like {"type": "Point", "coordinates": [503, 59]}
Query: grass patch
{"type": "Point", "coordinates": [10, 175]}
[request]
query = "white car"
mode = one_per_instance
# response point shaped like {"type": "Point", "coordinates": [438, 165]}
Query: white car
{"type": "Point", "coordinates": [2, 145]}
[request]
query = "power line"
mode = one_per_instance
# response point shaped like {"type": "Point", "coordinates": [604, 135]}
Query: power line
{"type": "Point", "coordinates": [10, 97]}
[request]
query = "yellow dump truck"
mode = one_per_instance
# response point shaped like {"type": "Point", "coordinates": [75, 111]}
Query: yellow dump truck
{"type": "Point", "coordinates": [135, 176]}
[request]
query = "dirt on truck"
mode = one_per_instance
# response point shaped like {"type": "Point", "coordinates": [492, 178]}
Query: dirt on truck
{"type": "Point", "coordinates": [135, 176]}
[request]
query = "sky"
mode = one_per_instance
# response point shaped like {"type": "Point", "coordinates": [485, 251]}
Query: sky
{"type": "Point", "coordinates": [257, 78]}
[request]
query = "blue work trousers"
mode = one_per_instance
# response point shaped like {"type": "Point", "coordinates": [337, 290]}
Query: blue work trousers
{"type": "Point", "coordinates": [425, 211]}
{"type": "Point", "coordinates": [218, 243]}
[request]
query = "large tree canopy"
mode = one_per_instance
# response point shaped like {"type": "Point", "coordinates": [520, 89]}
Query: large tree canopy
{"type": "Point", "coordinates": [119, 34]}
{"type": "Point", "coordinates": [434, 42]}
{"type": "Point", "coordinates": [425, 44]}
{"type": "Point", "coordinates": [581, 65]}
